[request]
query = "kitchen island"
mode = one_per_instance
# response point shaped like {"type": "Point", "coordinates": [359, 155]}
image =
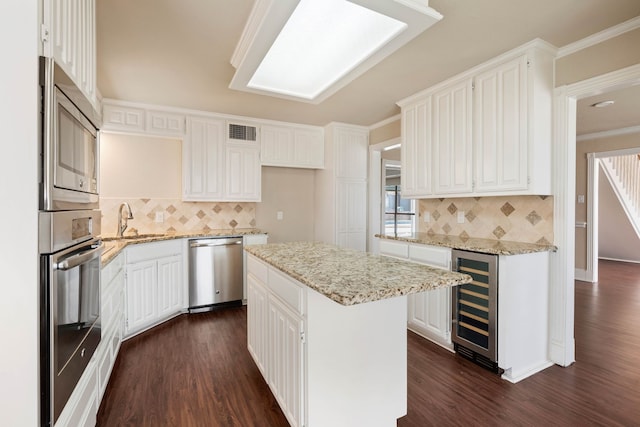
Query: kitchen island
{"type": "Point", "coordinates": [327, 329]}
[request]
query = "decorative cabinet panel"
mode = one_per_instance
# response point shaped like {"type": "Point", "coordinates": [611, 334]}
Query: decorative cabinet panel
{"type": "Point", "coordinates": [135, 118]}
{"type": "Point", "coordinates": [290, 146]}
{"type": "Point", "coordinates": [203, 160]}
{"type": "Point", "coordinates": [416, 149]}
{"type": "Point", "coordinates": [69, 36]}
{"type": "Point", "coordinates": [243, 173]}
{"type": "Point", "coordinates": [286, 359]}
{"type": "Point", "coordinates": [154, 284]}
{"type": "Point", "coordinates": [341, 187]}
{"type": "Point", "coordinates": [500, 127]}
{"type": "Point", "coordinates": [452, 139]}
{"type": "Point", "coordinates": [275, 334]}
{"type": "Point", "coordinates": [488, 132]}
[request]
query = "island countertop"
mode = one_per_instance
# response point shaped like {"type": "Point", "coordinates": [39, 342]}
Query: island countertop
{"type": "Point", "coordinates": [351, 277]}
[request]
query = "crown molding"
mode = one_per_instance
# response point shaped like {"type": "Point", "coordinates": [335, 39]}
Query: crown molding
{"type": "Point", "coordinates": [602, 36]}
{"type": "Point", "coordinates": [608, 133]}
{"type": "Point", "coordinates": [384, 122]}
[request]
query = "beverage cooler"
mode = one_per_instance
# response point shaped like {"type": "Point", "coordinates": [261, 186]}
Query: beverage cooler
{"type": "Point", "coordinates": [475, 308]}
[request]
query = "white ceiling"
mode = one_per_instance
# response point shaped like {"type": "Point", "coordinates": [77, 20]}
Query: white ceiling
{"type": "Point", "coordinates": [625, 112]}
{"type": "Point", "coordinates": [177, 53]}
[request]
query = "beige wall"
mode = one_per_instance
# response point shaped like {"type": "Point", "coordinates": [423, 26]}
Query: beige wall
{"type": "Point", "coordinates": [613, 54]}
{"type": "Point", "coordinates": [290, 191]}
{"type": "Point", "coordinates": [146, 172]}
{"type": "Point", "coordinates": [582, 148]}
{"type": "Point", "coordinates": [384, 133]}
{"type": "Point", "coordinates": [140, 166]}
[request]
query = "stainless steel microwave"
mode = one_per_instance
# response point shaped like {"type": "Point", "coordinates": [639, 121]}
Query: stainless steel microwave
{"type": "Point", "coordinates": [69, 143]}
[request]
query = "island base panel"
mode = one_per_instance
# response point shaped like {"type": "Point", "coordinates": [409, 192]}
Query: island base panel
{"type": "Point", "coordinates": [357, 362]}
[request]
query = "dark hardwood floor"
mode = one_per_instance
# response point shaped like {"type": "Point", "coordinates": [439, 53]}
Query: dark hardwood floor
{"type": "Point", "coordinates": [195, 371]}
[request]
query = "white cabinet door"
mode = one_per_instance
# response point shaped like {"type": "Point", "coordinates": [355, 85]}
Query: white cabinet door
{"type": "Point", "coordinates": [276, 145]}
{"type": "Point", "coordinates": [257, 321]}
{"type": "Point", "coordinates": [452, 138]}
{"type": "Point", "coordinates": [285, 373]}
{"type": "Point", "coordinates": [142, 295]}
{"type": "Point", "coordinates": [72, 41]}
{"type": "Point", "coordinates": [417, 156]}
{"type": "Point", "coordinates": [351, 210]}
{"type": "Point", "coordinates": [169, 285]}
{"type": "Point", "coordinates": [243, 174]}
{"type": "Point", "coordinates": [202, 160]}
{"type": "Point", "coordinates": [500, 127]}
{"type": "Point", "coordinates": [351, 152]}
{"type": "Point", "coordinates": [308, 148]}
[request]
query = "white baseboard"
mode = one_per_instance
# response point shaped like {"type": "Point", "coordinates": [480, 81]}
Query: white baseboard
{"type": "Point", "coordinates": [582, 275]}
{"type": "Point", "coordinates": [525, 373]}
{"type": "Point", "coordinates": [633, 261]}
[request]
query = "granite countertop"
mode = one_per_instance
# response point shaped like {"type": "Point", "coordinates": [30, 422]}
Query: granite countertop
{"type": "Point", "coordinates": [114, 245]}
{"type": "Point", "coordinates": [487, 246]}
{"type": "Point", "coordinates": [351, 277]}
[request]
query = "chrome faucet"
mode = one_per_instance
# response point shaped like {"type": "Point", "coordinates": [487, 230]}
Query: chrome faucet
{"type": "Point", "coordinates": [121, 226]}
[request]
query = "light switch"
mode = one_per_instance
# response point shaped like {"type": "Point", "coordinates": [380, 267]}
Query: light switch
{"type": "Point", "coordinates": [279, 215]}
{"type": "Point", "coordinates": [580, 198]}
{"type": "Point", "coordinates": [160, 217]}
{"type": "Point", "coordinates": [460, 217]}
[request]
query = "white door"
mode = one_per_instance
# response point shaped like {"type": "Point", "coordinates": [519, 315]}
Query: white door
{"type": "Point", "coordinates": [452, 139]}
{"type": "Point", "coordinates": [500, 127]}
{"type": "Point", "coordinates": [170, 286]}
{"type": "Point", "coordinates": [257, 322]}
{"type": "Point", "coordinates": [242, 172]}
{"type": "Point", "coordinates": [202, 160]}
{"type": "Point", "coordinates": [417, 156]}
{"type": "Point", "coordinates": [141, 285]}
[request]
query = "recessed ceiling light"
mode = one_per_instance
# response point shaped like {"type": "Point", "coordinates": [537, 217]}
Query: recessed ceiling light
{"type": "Point", "coordinates": [306, 50]}
{"type": "Point", "coordinates": [603, 104]}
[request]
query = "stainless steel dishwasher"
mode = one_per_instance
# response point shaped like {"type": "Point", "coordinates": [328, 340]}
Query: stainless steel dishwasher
{"type": "Point", "coordinates": [215, 272]}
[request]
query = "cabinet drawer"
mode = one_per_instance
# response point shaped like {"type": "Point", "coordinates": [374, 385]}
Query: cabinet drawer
{"type": "Point", "coordinates": [154, 250]}
{"type": "Point", "coordinates": [258, 269]}
{"type": "Point", "coordinates": [394, 249]}
{"type": "Point", "coordinates": [287, 290]}
{"type": "Point", "coordinates": [431, 255]}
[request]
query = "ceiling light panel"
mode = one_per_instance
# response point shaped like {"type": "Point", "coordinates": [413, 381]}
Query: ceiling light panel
{"type": "Point", "coordinates": [306, 50]}
{"type": "Point", "coordinates": [320, 43]}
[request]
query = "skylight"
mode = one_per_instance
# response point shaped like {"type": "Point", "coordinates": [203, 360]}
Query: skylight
{"type": "Point", "coordinates": [320, 43]}
{"type": "Point", "coordinates": [306, 50]}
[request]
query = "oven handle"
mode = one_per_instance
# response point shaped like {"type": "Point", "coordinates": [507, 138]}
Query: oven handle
{"type": "Point", "coordinates": [78, 259]}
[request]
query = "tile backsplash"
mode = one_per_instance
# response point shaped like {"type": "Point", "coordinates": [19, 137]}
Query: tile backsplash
{"type": "Point", "coordinates": [178, 216]}
{"type": "Point", "coordinates": [527, 219]}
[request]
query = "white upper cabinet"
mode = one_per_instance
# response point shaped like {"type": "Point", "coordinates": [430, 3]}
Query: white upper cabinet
{"type": "Point", "coordinates": [243, 173]}
{"type": "Point", "coordinates": [416, 149]}
{"type": "Point", "coordinates": [500, 127]}
{"type": "Point", "coordinates": [488, 132]}
{"type": "Point", "coordinates": [291, 146]}
{"type": "Point", "coordinates": [69, 36]}
{"type": "Point", "coordinates": [202, 159]}
{"type": "Point", "coordinates": [352, 151]}
{"type": "Point", "coordinates": [452, 138]}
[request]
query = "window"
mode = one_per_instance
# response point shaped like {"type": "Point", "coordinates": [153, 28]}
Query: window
{"type": "Point", "coordinates": [399, 213]}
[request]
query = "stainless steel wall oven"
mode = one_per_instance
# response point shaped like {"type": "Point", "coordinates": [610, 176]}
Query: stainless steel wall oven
{"type": "Point", "coordinates": [69, 237]}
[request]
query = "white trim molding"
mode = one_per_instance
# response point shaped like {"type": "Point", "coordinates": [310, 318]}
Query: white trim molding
{"type": "Point", "coordinates": [385, 122]}
{"type": "Point", "coordinates": [608, 133]}
{"type": "Point", "coordinates": [562, 273]}
{"type": "Point", "coordinates": [600, 37]}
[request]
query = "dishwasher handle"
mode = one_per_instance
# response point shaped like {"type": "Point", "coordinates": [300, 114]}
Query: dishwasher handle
{"type": "Point", "coordinates": [214, 242]}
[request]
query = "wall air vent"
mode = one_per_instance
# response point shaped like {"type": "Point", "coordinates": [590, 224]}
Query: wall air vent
{"type": "Point", "coordinates": [242, 132]}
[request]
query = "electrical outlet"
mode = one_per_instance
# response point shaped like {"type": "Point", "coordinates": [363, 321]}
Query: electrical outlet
{"type": "Point", "coordinates": [581, 198]}
{"type": "Point", "coordinates": [280, 215]}
{"type": "Point", "coordinates": [160, 217]}
{"type": "Point", "coordinates": [426, 217]}
{"type": "Point", "coordinates": [460, 217]}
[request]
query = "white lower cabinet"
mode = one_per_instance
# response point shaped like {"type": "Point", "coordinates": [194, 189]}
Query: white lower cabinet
{"type": "Point", "coordinates": [154, 284]}
{"type": "Point", "coordinates": [81, 409]}
{"type": "Point", "coordinates": [428, 313]}
{"type": "Point", "coordinates": [275, 335]}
